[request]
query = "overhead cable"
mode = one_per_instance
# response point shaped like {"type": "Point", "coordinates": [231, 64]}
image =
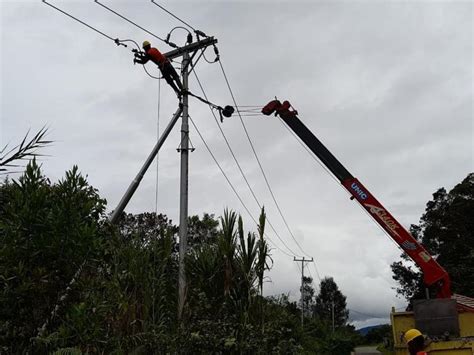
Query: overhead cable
{"type": "Point", "coordinates": [176, 17]}
{"type": "Point", "coordinates": [82, 22]}
{"type": "Point", "coordinates": [259, 163]}
{"type": "Point", "coordinates": [228, 180]}
{"type": "Point", "coordinates": [133, 23]}
{"type": "Point", "coordinates": [240, 168]}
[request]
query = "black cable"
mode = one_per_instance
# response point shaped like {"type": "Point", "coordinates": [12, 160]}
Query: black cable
{"type": "Point", "coordinates": [205, 58]}
{"type": "Point", "coordinates": [193, 65]}
{"type": "Point", "coordinates": [129, 21]}
{"type": "Point", "coordinates": [365, 314]}
{"type": "Point", "coordinates": [228, 181]}
{"type": "Point", "coordinates": [176, 17]}
{"type": "Point", "coordinates": [138, 47]}
{"type": "Point", "coordinates": [240, 168]}
{"type": "Point", "coordinates": [80, 21]}
{"type": "Point", "coordinates": [259, 164]}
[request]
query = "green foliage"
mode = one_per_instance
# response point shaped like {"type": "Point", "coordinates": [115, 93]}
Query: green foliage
{"type": "Point", "coordinates": [46, 231]}
{"type": "Point", "coordinates": [71, 283]}
{"type": "Point", "coordinates": [331, 304]}
{"type": "Point", "coordinates": [308, 299]}
{"type": "Point", "coordinates": [378, 335]}
{"type": "Point", "coordinates": [446, 229]}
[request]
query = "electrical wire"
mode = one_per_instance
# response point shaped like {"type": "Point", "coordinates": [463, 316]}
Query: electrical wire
{"type": "Point", "coordinates": [116, 40]}
{"type": "Point", "coordinates": [228, 180]}
{"type": "Point", "coordinates": [193, 65]}
{"type": "Point", "coordinates": [130, 21]}
{"type": "Point", "coordinates": [176, 17]}
{"type": "Point", "coordinates": [138, 47]}
{"type": "Point", "coordinates": [239, 166]}
{"type": "Point", "coordinates": [205, 58]}
{"type": "Point", "coordinates": [258, 161]}
{"type": "Point", "coordinates": [80, 21]}
{"type": "Point", "coordinates": [365, 314]}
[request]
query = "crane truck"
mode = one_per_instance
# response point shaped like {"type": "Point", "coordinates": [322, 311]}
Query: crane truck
{"type": "Point", "coordinates": [447, 319]}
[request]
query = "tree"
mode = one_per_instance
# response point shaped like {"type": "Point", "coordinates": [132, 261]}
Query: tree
{"type": "Point", "coordinates": [308, 295]}
{"type": "Point", "coordinates": [331, 303]}
{"type": "Point", "coordinates": [379, 334]}
{"type": "Point", "coordinates": [46, 231]}
{"type": "Point", "coordinates": [446, 230]}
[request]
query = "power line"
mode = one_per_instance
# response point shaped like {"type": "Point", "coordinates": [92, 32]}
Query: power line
{"type": "Point", "coordinates": [176, 17]}
{"type": "Point", "coordinates": [239, 166]}
{"type": "Point", "coordinates": [364, 314]}
{"type": "Point", "coordinates": [229, 182]}
{"type": "Point", "coordinates": [116, 40]}
{"type": "Point", "coordinates": [258, 161]}
{"type": "Point", "coordinates": [130, 21]}
{"type": "Point", "coordinates": [80, 21]}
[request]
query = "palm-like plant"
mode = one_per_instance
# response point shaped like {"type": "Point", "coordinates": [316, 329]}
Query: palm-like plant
{"type": "Point", "coordinates": [22, 151]}
{"type": "Point", "coordinates": [227, 247]}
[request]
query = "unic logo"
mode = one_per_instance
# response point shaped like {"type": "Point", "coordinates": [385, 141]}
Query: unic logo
{"type": "Point", "coordinates": [359, 191]}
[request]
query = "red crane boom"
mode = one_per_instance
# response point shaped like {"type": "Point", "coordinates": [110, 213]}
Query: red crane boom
{"type": "Point", "coordinates": [434, 275]}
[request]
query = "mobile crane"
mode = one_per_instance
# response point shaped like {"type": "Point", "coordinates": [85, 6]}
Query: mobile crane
{"type": "Point", "coordinates": [449, 318]}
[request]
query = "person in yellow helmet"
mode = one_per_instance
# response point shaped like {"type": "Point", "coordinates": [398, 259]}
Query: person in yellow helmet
{"type": "Point", "coordinates": [167, 70]}
{"type": "Point", "coordinates": [415, 341]}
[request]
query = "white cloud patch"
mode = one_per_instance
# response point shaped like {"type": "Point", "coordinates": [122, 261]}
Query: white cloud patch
{"type": "Point", "coordinates": [387, 86]}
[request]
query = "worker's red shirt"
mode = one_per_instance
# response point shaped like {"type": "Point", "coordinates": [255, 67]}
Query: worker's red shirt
{"type": "Point", "coordinates": [156, 56]}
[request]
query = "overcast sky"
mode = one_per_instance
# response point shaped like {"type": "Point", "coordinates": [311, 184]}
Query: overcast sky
{"type": "Point", "coordinates": [386, 85]}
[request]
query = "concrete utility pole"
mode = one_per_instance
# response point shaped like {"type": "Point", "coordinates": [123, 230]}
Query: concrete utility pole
{"type": "Point", "coordinates": [184, 150]}
{"type": "Point", "coordinates": [183, 200]}
{"type": "Point", "coordinates": [302, 284]}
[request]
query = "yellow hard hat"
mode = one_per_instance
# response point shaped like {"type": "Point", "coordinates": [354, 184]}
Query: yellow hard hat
{"type": "Point", "coordinates": [146, 43]}
{"type": "Point", "coordinates": [411, 334]}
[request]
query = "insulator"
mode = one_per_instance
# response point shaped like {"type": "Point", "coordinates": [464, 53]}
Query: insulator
{"type": "Point", "coordinates": [228, 111]}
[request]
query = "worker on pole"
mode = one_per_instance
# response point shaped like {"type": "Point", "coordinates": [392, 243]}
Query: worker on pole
{"type": "Point", "coordinates": [167, 70]}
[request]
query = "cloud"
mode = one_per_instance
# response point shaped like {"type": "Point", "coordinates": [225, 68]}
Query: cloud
{"type": "Point", "coordinates": [387, 86]}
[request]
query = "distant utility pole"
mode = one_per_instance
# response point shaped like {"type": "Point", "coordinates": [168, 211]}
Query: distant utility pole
{"type": "Point", "coordinates": [302, 284]}
{"type": "Point", "coordinates": [332, 313]}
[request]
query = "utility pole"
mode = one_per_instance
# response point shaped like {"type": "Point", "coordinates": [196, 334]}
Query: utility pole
{"type": "Point", "coordinates": [183, 200]}
{"type": "Point", "coordinates": [302, 284]}
{"type": "Point", "coordinates": [193, 47]}
{"type": "Point", "coordinates": [190, 47]}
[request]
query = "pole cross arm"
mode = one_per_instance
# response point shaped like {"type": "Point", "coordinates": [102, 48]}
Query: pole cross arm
{"type": "Point", "coordinates": [209, 41]}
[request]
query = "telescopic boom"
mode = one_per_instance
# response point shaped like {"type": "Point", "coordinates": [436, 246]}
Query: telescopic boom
{"type": "Point", "coordinates": [434, 274]}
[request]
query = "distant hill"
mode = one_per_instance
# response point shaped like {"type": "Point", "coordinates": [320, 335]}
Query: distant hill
{"type": "Point", "coordinates": [365, 330]}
